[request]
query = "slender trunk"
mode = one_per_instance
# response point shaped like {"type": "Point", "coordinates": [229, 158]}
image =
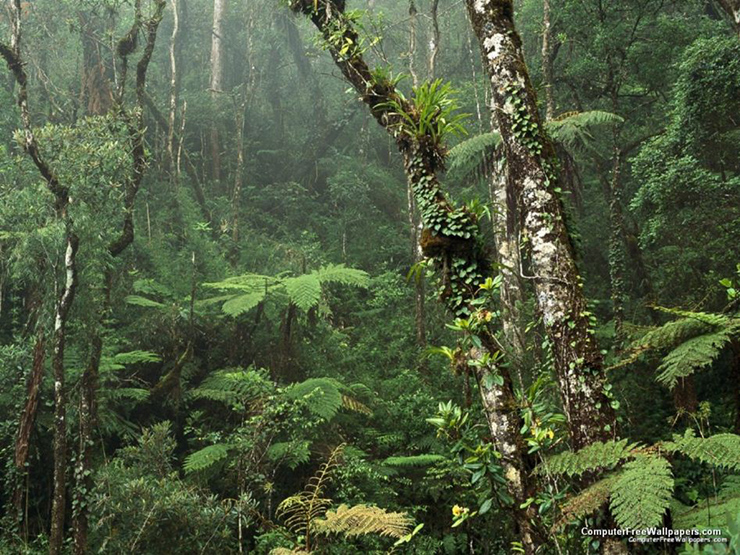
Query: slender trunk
{"type": "Point", "coordinates": [412, 43]}
{"type": "Point", "coordinates": [547, 59]}
{"type": "Point", "coordinates": [732, 9]}
{"type": "Point", "coordinates": [172, 162]}
{"type": "Point", "coordinates": [736, 369]}
{"type": "Point", "coordinates": [532, 173]}
{"type": "Point", "coordinates": [216, 80]}
{"type": "Point", "coordinates": [60, 402]}
{"type": "Point", "coordinates": [25, 426]}
{"type": "Point", "coordinates": [239, 177]}
{"type": "Point", "coordinates": [96, 93]}
{"type": "Point", "coordinates": [436, 38]}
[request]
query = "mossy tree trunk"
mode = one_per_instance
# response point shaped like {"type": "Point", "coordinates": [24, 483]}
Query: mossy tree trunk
{"type": "Point", "coordinates": [532, 166]}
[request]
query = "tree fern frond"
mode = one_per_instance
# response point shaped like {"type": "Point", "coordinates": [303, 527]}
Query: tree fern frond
{"type": "Point", "coordinates": [339, 273]}
{"type": "Point", "coordinates": [709, 318]}
{"type": "Point", "coordinates": [136, 357]}
{"type": "Point", "coordinates": [574, 130]}
{"type": "Point", "coordinates": [206, 457]}
{"type": "Point", "coordinates": [242, 303]}
{"type": "Point", "coordinates": [473, 159]}
{"type": "Point", "coordinates": [722, 450]}
{"type": "Point", "coordinates": [138, 300]}
{"type": "Point", "coordinates": [353, 404]}
{"type": "Point", "coordinates": [233, 386]}
{"type": "Point", "coordinates": [246, 283]}
{"type": "Point", "coordinates": [322, 396]}
{"type": "Point", "coordinates": [692, 355]}
{"type": "Point", "coordinates": [642, 492]}
{"type": "Point", "coordinates": [290, 453]}
{"type": "Point", "coordinates": [599, 455]}
{"type": "Point", "coordinates": [360, 520]}
{"type": "Point", "coordinates": [304, 291]}
{"type": "Point", "coordinates": [299, 511]}
{"type": "Point", "coordinates": [586, 502]}
{"type": "Point", "coordinates": [414, 460]}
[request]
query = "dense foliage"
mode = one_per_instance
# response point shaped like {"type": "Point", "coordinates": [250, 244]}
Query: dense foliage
{"type": "Point", "coordinates": [255, 357]}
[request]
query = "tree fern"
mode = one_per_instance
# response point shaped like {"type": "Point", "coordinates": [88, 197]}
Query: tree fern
{"type": "Point", "coordinates": [239, 304]}
{"type": "Point", "coordinates": [599, 455]}
{"type": "Point", "coordinates": [722, 450]}
{"type": "Point", "coordinates": [360, 520]}
{"type": "Point", "coordinates": [322, 396]}
{"type": "Point", "coordinates": [692, 355]}
{"type": "Point", "coordinates": [474, 158]}
{"type": "Point", "coordinates": [233, 386]}
{"type": "Point", "coordinates": [339, 273]}
{"type": "Point", "coordinates": [642, 492]}
{"type": "Point", "coordinates": [205, 458]}
{"type": "Point", "coordinates": [289, 453]}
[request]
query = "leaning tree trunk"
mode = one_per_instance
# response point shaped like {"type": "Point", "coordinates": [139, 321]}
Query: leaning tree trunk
{"type": "Point", "coordinates": [532, 166]}
{"type": "Point", "coordinates": [732, 9]}
{"type": "Point", "coordinates": [455, 247]}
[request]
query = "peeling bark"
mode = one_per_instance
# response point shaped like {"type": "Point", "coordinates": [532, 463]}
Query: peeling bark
{"type": "Point", "coordinates": [532, 173]}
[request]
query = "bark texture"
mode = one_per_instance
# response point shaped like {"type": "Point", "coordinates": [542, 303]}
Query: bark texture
{"type": "Point", "coordinates": [217, 77]}
{"type": "Point", "coordinates": [532, 174]}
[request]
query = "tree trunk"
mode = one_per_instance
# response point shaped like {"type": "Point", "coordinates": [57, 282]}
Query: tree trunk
{"type": "Point", "coordinates": [216, 80]}
{"type": "Point", "coordinates": [532, 173]}
{"type": "Point", "coordinates": [732, 9]}
{"type": "Point", "coordinates": [436, 38]}
{"type": "Point", "coordinates": [25, 426]}
{"type": "Point", "coordinates": [174, 52]}
{"type": "Point", "coordinates": [96, 93]}
{"type": "Point", "coordinates": [547, 60]}
{"type": "Point", "coordinates": [617, 263]}
{"type": "Point", "coordinates": [60, 402]}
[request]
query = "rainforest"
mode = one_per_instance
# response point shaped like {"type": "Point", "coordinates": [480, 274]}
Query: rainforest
{"type": "Point", "coordinates": [369, 276]}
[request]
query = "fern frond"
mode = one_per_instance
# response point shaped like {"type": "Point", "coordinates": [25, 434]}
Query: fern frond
{"type": "Point", "coordinates": [322, 396]}
{"type": "Point", "coordinates": [642, 492]}
{"type": "Point", "coordinates": [242, 303]}
{"type": "Point", "coordinates": [289, 453]}
{"type": "Point", "coordinates": [360, 520]}
{"type": "Point", "coordinates": [138, 300]}
{"type": "Point", "coordinates": [574, 130]}
{"type": "Point", "coordinates": [304, 291]}
{"type": "Point", "coordinates": [299, 511]}
{"type": "Point", "coordinates": [339, 273]}
{"type": "Point", "coordinates": [246, 283]}
{"type": "Point", "coordinates": [586, 502]}
{"type": "Point", "coordinates": [353, 404]}
{"type": "Point", "coordinates": [233, 386]}
{"type": "Point", "coordinates": [136, 357]}
{"type": "Point", "coordinates": [721, 450]}
{"type": "Point", "coordinates": [414, 460]}
{"type": "Point", "coordinates": [474, 158]}
{"type": "Point", "coordinates": [599, 455]}
{"type": "Point", "coordinates": [709, 318]}
{"type": "Point", "coordinates": [206, 457]}
{"type": "Point", "coordinates": [692, 355]}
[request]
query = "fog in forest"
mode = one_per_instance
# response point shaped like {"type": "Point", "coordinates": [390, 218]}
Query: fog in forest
{"type": "Point", "coordinates": [370, 276]}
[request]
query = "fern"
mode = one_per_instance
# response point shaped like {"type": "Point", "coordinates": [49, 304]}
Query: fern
{"type": "Point", "coordinates": [593, 457]}
{"type": "Point", "coordinates": [721, 450]}
{"type": "Point", "coordinates": [240, 304]}
{"type": "Point", "coordinates": [136, 357]}
{"type": "Point", "coordinates": [414, 460]}
{"type": "Point", "coordinates": [474, 158]}
{"type": "Point", "coordinates": [574, 130]}
{"type": "Point", "coordinates": [138, 300]}
{"type": "Point", "coordinates": [233, 386]}
{"type": "Point", "coordinates": [304, 291]}
{"type": "Point", "coordinates": [339, 273]}
{"type": "Point", "coordinates": [289, 453]}
{"type": "Point", "coordinates": [692, 355]}
{"type": "Point", "coordinates": [642, 492]}
{"type": "Point", "coordinates": [360, 520]}
{"type": "Point", "coordinates": [586, 502]}
{"type": "Point", "coordinates": [205, 458]}
{"type": "Point", "coordinates": [301, 510]}
{"type": "Point", "coordinates": [322, 396]}
{"type": "Point", "coordinates": [714, 510]}
{"type": "Point", "coordinates": [353, 404]}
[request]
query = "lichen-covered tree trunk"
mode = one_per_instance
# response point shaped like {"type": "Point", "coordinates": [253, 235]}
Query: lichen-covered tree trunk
{"type": "Point", "coordinates": [459, 258]}
{"type": "Point", "coordinates": [547, 60]}
{"type": "Point", "coordinates": [533, 172]}
{"type": "Point", "coordinates": [617, 262]}
{"type": "Point", "coordinates": [732, 9]}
